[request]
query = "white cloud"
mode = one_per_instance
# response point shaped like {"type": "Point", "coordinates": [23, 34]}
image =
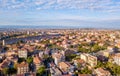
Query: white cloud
{"type": "Point", "coordinates": [17, 6]}
{"type": "Point", "coordinates": [101, 5]}
{"type": "Point", "coordinates": [40, 2]}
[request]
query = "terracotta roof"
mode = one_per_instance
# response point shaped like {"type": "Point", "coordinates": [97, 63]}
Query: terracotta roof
{"type": "Point", "coordinates": [52, 64]}
{"type": "Point", "coordinates": [67, 75]}
{"type": "Point", "coordinates": [20, 75]}
{"type": "Point", "coordinates": [57, 55]}
{"type": "Point", "coordinates": [80, 61]}
{"type": "Point", "coordinates": [102, 70]}
{"type": "Point", "coordinates": [118, 54]}
{"type": "Point", "coordinates": [5, 63]}
{"type": "Point", "coordinates": [64, 65]}
{"type": "Point", "coordinates": [23, 64]}
{"type": "Point", "coordinates": [37, 60]}
{"type": "Point", "coordinates": [84, 75]}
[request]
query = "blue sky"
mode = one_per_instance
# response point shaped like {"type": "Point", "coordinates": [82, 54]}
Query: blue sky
{"type": "Point", "coordinates": [98, 13]}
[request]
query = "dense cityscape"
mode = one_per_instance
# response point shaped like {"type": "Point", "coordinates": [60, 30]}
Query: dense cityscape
{"type": "Point", "coordinates": [59, 52]}
{"type": "Point", "coordinates": [59, 37]}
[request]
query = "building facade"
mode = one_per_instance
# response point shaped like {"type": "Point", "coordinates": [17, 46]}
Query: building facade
{"type": "Point", "coordinates": [22, 53]}
{"type": "Point", "coordinates": [22, 68]}
{"type": "Point", "coordinates": [117, 58]}
{"type": "Point", "coordinates": [90, 59]}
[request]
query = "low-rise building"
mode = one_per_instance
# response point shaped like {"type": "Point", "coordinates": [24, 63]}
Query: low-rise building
{"type": "Point", "coordinates": [41, 54]}
{"type": "Point", "coordinates": [55, 71]}
{"type": "Point", "coordinates": [22, 68]}
{"type": "Point", "coordinates": [84, 75]}
{"type": "Point", "coordinates": [37, 62]}
{"type": "Point", "coordinates": [84, 57]}
{"type": "Point", "coordinates": [58, 57]}
{"type": "Point", "coordinates": [66, 68]}
{"type": "Point", "coordinates": [106, 53]}
{"type": "Point", "coordinates": [4, 64]}
{"type": "Point", "coordinates": [79, 63]}
{"type": "Point", "coordinates": [101, 72]}
{"type": "Point", "coordinates": [116, 58]}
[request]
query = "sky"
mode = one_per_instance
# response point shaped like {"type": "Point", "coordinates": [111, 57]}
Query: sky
{"type": "Point", "coordinates": [89, 13]}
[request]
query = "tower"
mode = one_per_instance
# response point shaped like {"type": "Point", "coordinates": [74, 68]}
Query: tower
{"type": "Point", "coordinates": [28, 32]}
{"type": "Point", "coordinates": [3, 42]}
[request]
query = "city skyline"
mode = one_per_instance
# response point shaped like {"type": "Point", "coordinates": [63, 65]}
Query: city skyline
{"type": "Point", "coordinates": [91, 13]}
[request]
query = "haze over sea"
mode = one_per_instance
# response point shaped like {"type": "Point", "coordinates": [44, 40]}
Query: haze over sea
{"type": "Point", "coordinates": [56, 27]}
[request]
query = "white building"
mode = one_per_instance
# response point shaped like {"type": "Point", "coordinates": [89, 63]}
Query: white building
{"type": "Point", "coordinates": [91, 60]}
{"type": "Point", "coordinates": [3, 42]}
{"type": "Point", "coordinates": [84, 57]}
{"type": "Point", "coordinates": [58, 57]}
{"type": "Point", "coordinates": [28, 32]}
{"type": "Point", "coordinates": [117, 58]}
{"type": "Point", "coordinates": [41, 54]}
{"type": "Point", "coordinates": [22, 53]}
{"type": "Point", "coordinates": [101, 72]}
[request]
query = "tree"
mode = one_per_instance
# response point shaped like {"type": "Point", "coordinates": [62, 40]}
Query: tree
{"type": "Point", "coordinates": [9, 71]}
{"type": "Point", "coordinates": [5, 71]}
{"type": "Point", "coordinates": [83, 50]}
{"type": "Point", "coordinates": [97, 48]}
{"type": "Point", "coordinates": [29, 60]}
{"type": "Point", "coordinates": [69, 57]}
{"type": "Point", "coordinates": [21, 60]}
{"type": "Point", "coordinates": [45, 56]}
{"type": "Point", "coordinates": [71, 46]}
{"type": "Point", "coordinates": [12, 70]}
{"type": "Point", "coordinates": [50, 59]}
{"type": "Point", "coordinates": [113, 68]}
{"type": "Point", "coordinates": [100, 64]}
{"type": "Point", "coordinates": [6, 48]}
{"type": "Point", "coordinates": [85, 71]}
{"type": "Point", "coordinates": [41, 71]}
